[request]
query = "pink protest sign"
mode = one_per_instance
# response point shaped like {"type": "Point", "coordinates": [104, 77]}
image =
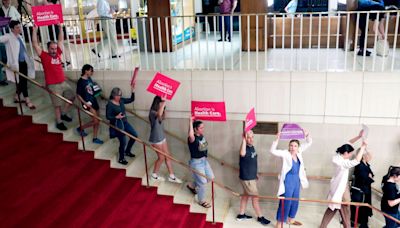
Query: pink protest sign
{"type": "Point", "coordinates": [291, 131]}
{"type": "Point", "coordinates": [163, 86]}
{"type": "Point", "coordinates": [212, 111]}
{"type": "Point", "coordinates": [250, 121]}
{"type": "Point", "coordinates": [47, 14]}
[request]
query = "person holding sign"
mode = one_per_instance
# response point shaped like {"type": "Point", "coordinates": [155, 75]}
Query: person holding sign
{"type": "Point", "coordinates": [339, 188]}
{"type": "Point", "coordinates": [248, 178]}
{"type": "Point", "coordinates": [86, 95]}
{"type": "Point", "coordinates": [198, 147]}
{"type": "Point", "coordinates": [158, 140]}
{"type": "Point", "coordinates": [293, 175]}
{"type": "Point", "coordinates": [115, 113]}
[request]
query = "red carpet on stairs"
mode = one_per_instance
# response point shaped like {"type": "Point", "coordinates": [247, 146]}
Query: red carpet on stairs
{"type": "Point", "coordinates": [45, 182]}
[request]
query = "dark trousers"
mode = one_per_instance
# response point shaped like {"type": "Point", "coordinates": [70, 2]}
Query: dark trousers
{"type": "Point", "coordinates": [22, 85]}
{"type": "Point", "coordinates": [227, 27]}
{"type": "Point", "coordinates": [122, 140]}
{"type": "Point", "coordinates": [363, 22]}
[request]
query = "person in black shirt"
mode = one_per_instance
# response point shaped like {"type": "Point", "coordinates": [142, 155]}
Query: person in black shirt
{"type": "Point", "coordinates": [248, 178]}
{"type": "Point", "coordinates": [361, 190]}
{"type": "Point", "coordinates": [391, 197]}
{"type": "Point", "coordinates": [198, 148]}
{"type": "Point", "coordinates": [85, 92]}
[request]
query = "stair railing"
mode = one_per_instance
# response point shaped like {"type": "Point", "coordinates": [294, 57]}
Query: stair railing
{"type": "Point", "coordinates": [213, 182]}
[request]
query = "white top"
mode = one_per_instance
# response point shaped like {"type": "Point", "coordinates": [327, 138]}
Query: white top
{"type": "Point", "coordinates": [11, 12]}
{"type": "Point", "coordinates": [12, 48]}
{"type": "Point", "coordinates": [340, 179]}
{"type": "Point", "coordinates": [103, 9]}
{"type": "Point", "coordinates": [287, 163]}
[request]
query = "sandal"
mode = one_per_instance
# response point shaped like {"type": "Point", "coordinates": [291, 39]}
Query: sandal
{"type": "Point", "coordinates": [205, 204]}
{"type": "Point", "coordinates": [30, 105]}
{"type": "Point", "coordinates": [193, 190]}
{"type": "Point", "coordinates": [295, 223]}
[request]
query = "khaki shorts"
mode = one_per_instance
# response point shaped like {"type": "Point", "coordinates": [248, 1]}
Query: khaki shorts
{"type": "Point", "coordinates": [249, 187]}
{"type": "Point", "coordinates": [62, 89]}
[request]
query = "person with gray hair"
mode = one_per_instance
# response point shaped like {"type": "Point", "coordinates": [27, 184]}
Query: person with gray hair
{"type": "Point", "coordinates": [115, 113]}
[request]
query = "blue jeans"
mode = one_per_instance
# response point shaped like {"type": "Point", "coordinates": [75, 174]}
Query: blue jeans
{"type": "Point", "coordinates": [227, 27]}
{"type": "Point", "coordinates": [122, 139]}
{"type": "Point", "coordinates": [390, 223]}
{"type": "Point", "coordinates": [202, 166]}
{"type": "Point", "coordinates": [3, 58]}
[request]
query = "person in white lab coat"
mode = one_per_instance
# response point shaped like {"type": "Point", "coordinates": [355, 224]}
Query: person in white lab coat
{"type": "Point", "coordinates": [339, 189]}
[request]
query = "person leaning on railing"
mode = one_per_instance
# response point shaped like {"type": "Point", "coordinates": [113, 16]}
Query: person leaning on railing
{"type": "Point", "coordinates": [198, 147]}
{"type": "Point", "coordinates": [339, 188]}
{"type": "Point", "coordinates": [115, 113]}
{"type": "Point", "coordinates": [391, 196]}
{"type": "Point", "coordinates": [18, 60]}
{"type": "Point", "coordinates": [158, 140]}
{"type": "Point", "coordinates": [54, 76]}
{"type": "Point", "coordinates": [292, 177]}
{"type": "Point", "coordinates": [248, 175]}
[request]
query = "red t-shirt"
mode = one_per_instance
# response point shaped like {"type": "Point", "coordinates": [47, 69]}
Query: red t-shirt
{"type": "Point", "coordinates": [53, 71]}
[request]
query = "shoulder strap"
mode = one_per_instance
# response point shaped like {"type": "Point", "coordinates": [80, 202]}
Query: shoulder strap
{"type": "Point", "coordinates": [2, 14]}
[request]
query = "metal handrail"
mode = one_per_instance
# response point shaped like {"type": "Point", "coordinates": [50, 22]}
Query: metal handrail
{"type": "Point", "coordinates": [213, 182]}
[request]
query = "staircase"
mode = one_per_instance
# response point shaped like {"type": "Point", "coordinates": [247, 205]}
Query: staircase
{"type": "Point", "coordinates": [46, 180]}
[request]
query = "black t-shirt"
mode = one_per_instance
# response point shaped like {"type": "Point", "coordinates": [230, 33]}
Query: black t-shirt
{"type": "Point", "coordinates": [248, 164]}
{"type": "Point", "coordinates": [84, 88]}
{"type": "Point", "coordinates": [389, 193]}
{"type": "Point", "coordinates": [198, 148]}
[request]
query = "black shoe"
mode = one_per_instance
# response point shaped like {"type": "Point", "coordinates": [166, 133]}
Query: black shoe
{"type": "Point", "coordinates": [66, 118]}
{"type": "Point", "coordinates": [243, 217]}
{"type": "Point", "coordinates": [263, 220]}
{"type": "Point", "coordinates": [129, 154]}
{"type": "Point", "coordinates": [361, 53]}
{"type": "Point", "coordinates": [115, 56]}
{"type": "Point", "coordinates": [94, 52]}
{"type": "Point", "coordinates": [220, 40]}
{"type": "Point", "coordinates": [61, 126]}
{"type": "Point", "coordinates": [123, 162]}
{"type": "Point", "coordinates": [3, 83]}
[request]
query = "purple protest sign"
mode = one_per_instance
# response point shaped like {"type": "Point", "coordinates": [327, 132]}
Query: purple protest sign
{"type": "Point", "coordinates": [4, 21]}
{"type": "Point", "coordinates": [291, 131]}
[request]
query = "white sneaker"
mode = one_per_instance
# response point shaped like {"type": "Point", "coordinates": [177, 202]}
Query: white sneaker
{"type": "Point", "coordinates": [157, 178]}
{"type": "Point", "coordinates": [175, 180]}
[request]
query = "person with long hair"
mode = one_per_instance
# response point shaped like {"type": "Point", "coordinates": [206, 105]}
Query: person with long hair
{"type": "Point", "coordinates": [391, 197]}
{"type": "Point", "coordinates": [292, 177]}
{"type": "Point", "coordinates": [115, 113]}
{"type": "Point", "coordinates": [339, 188]}
{"type": "Point", "coordinates": [361, 190]}
{"type": "Point", "coordinates": [158, 139]}
{"type": "Point", "coordinates": [85, 94]}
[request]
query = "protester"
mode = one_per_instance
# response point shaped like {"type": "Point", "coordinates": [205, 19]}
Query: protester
{"type": "Point", "coordinates": [7, 10]}
{"type": "Point", "coordinates": [391, 196]}
{"type": "Point", "coordinates": [339, 188]}
{"type": "Point", "coordinates": [115, 113]}
{"type": "Point", "coordinates": [54, 76]}
{"type": "Point", "coordinates": [18, 60]}
{"type": "Point", "coordinates": [248, 178]}
{"type": "Point", "coordinates": [86, 95]}
{"type": "Point", "coordinates": [158, 140]}
{"type": "Point", "coordinates": [198, 147]}
{"type": "Point", "coordinates": [293, 175]}
{"type": "Point", "coordinates": [361, 191]}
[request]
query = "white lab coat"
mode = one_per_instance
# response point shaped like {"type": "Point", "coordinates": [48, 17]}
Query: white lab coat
{"type": "Point", "coordinates": [340, 180]}
{"type": "Point", "coordinates": [287, 164]}
{"type": "Point", "coordinates": [12, 48]}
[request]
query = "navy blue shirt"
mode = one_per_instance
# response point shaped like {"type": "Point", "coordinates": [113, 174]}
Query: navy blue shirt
{"type": "Point", "coordinates": [248, 164]}
{"type": "Point", "coordinates": [199, 147]}
{"type": "Point", "coordinates": [389, 193]}
{"type": "Point", "coordinates": [84, 88]}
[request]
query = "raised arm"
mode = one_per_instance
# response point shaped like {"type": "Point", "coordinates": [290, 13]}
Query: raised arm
{"type": "Point", "coordinates": [355, 139]}
{"type": "Point", "coordinates": [161, 108]}
{"type": "Point", "coordinates": [274, 146]}
{"type": "Point", "coordinates": [307, 144]}
{"type": "Point", "coordinates": [35, 42]}
{"type": "Point", "coordinates": [191, 131]}
{"type": "Point", "coordinates": [243, 146]}
{"type": "Point", "coordinates": [60, 41]}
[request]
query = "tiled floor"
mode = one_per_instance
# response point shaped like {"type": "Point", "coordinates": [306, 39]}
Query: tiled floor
{"type": "Point", "coordinates": [209, 54]}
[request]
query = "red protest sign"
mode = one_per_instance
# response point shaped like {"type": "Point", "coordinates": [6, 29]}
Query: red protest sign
{"type": "Point", "coordinates": [213, 111]}
{"type": "Point", "coordinates": [250, 121]}
{"type": "Point", "coordinates": [135, 72]}
{"type": "Point", "coordinates": [47, 15]}
{"type": "Point", "coordinates": [163, 86]}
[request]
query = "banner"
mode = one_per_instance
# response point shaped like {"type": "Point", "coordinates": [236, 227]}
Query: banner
{"type": "Point", "coordinates": [250, 121]}
{"type": "Point", "coordinates": [47, 15]}
{"type": "Point", "coordinates": [163, 86]}
{"type": "Point", "coordinates": [212, 111]}
{"type": "Point", "coordinates": [291, 131]}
